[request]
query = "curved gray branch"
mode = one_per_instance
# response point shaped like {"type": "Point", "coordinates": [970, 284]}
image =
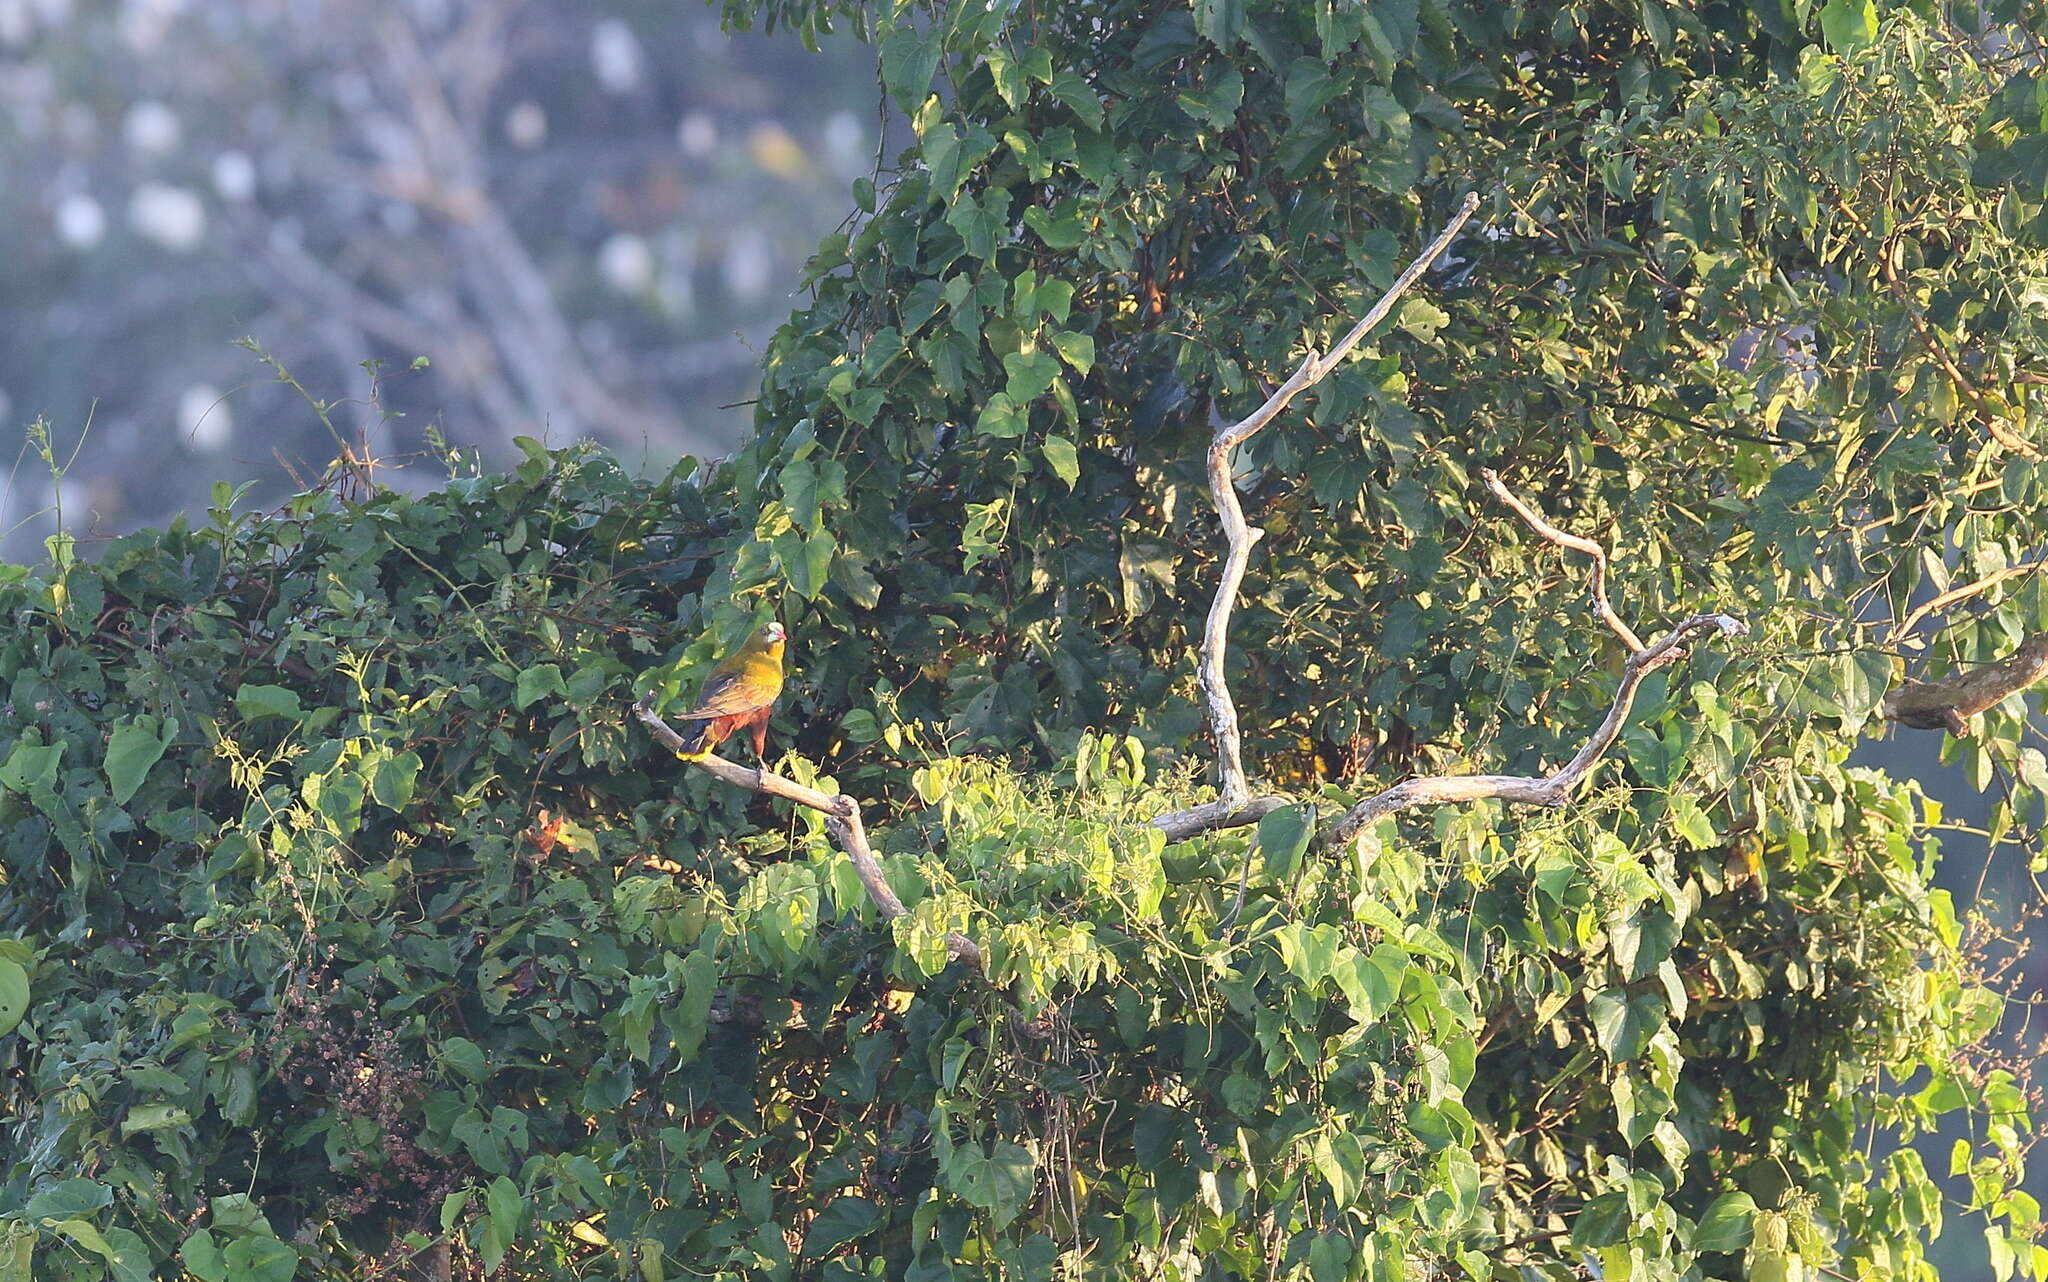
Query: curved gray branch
{"type": "Point", "coordinates": [1240, 536]}
{"type": "Point", "coordinates": [1534, 790]}
{"type": "Point", "coordinates": [842, 820]}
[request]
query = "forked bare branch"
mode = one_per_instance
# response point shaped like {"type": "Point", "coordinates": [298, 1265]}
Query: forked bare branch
{"type": "Point", "coordinates": [1553, 789]}
{"type": "Point", "coordinates": [1577, 543]}
{"type": "Point", "coordinates": [1949, 704]}
{"type": "Point", "coordinates": [842, 820]}
{"type": "Point", "coordinates": [1235, 805]}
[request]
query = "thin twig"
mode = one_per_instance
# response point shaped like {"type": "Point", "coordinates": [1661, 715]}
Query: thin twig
{"type": "Point", "coordinates": [1963, 593]}
{"type": "Point", "coordinates": [1932, 344]}
{"type": "Point", "coordinates": [1532, 790]}
{"type": "Point", "coordinates": [1554, 789]}
{"type": "Point", "coordinates": [842, 820]}
{"type": "Point", "coordinates": [1314, 367]}
{"type": "Point", "coordinates": [1577, 543]}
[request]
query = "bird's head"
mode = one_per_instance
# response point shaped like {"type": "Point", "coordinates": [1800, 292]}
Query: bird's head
{"type": "Point", "coordinates": [771, 633]}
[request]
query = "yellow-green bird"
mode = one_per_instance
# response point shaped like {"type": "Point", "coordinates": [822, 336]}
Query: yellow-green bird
{"type": "Point", "coordinates": [739, 694]}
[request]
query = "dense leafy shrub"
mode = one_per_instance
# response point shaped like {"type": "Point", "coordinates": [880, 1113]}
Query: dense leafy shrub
{"type": "Point", "coordinates": [355, 919]}
{"type": "Point", "coordinates": [353, 925]}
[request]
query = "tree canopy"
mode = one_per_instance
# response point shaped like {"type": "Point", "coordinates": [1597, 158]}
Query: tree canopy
{"type": "Point", "coordinates": [354, 926]}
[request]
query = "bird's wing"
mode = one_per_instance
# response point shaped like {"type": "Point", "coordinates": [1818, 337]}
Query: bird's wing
{"type": "Point", "coordinates": [726, 693]}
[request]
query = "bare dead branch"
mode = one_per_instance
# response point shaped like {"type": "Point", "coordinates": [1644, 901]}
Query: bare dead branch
{"type": "Point", "coordinates": [842, 820]}
{"type": "Point", "coordinates": [1546, 790]}
{"type": "Point", "coordinates": [1949, 704]}
{"type": "Point", "coordinates": [1179, 825]}
{"type": "Point", "coordinates": [1554, 789]}
{"type": "Point", "coordinates": [1240, 535]}
{"type": "Point", "coordinates": [1963, 593]}
{"type": "Point", "coordinates": [1578, 543]}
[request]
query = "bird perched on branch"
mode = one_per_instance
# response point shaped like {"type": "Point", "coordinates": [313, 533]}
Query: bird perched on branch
{"type": "Point", "coordinates": [739, 694]}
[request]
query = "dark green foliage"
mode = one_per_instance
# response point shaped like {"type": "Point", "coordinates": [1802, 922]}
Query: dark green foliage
{"type": "Point", "coordinates": [406, 935]}
{"type": "Point", "coordinates": [350, 915]}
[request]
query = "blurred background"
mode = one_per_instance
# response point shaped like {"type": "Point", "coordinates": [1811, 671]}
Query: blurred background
{"type": "Point", "coordinates": [586, 218]}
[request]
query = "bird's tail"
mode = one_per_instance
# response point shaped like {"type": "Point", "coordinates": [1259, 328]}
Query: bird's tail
{"type": "Point", "coordinates": [696, 742]}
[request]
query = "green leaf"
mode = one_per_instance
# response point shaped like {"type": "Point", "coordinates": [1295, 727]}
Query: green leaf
{"type": "Point", "coordinates": [1217, 103]}
{"type": "Point", "coordinates": [17, 1257]}
{"type": "Point", "coordinates": [153, 1117]}
{"type": "Point", "coordinates": [1624, 1023]}
{"type": "Point", "coordinates": [1001, 416]}
{"type": "Point", "coordinates": [1078, 96]}
{"type": "Point", "coordinates": [1340, 1160]}
{"type": "Point", "coordinates": [1057, 231]}
{"type": "Point", "coordinates": [806, 562]}
{"type": "Point", "coordinates": [1642, 939]}
{"type": "Point", "coordinates": [800, 493]}
{"type": "Point", "coordinates": [981, 538]}
{"type": "Point", "coordinates": [452, 1207]}
{"type": "Point", "coordinates": [1369, 984]}
{"type": "Point", "coordinates": [1309, 89]}
{"type": "Point", "coordinates": [202, 1257]}
{"type": "Point", "coordinates": [13, 1006]}
{"type": "Point", "coordinates": [1077, 350]}
{"type": "Point", "coordinates": [1329, 1258]}
{"type": "Point", "coordinates": [1849, 25]}
{"type": "Point", "coordinates": [506, 1208]}
{"type": "Point", "coordinates": [238, 1213]}
{"type": "Point", "coordinates": [1421, 319]}
{"type": "Point", "coordinates": [1309, 952]}
{"type": "Point", "coordinates": [1284, 836]}
{"type": "Point", "coordinates": [909, 61]}
{"type": "Point", "coordinates": [491, 1246]}
{"type": "Point", "coordinates": [1603, 1221]}
{"type": "Point", "coordinates": [1059, 454]}
{"type": "Point", "coordinates": [31, 765]}
{"type": "Point", "coordinates": [83, 1233]}
{"type": "Point", "coordinates": [393, 783]}
{"type": "Point", "coordinates": [537, 683]}
{"type": "Point", "coordinates": [1056, 299]}
{"type": "Point", "coordinates": [998, 1180]}
{"type": "Point", "coordinates": [1691, 823]}
{"type": "Point", "coordinates": [134, 748]}
{"type": "Point", "coordinates": [1220, 22]}
{"type": "Point", "coordinates": [465, 1057]}
{"type": "Point", "coordinates": [1725, 1226]}
{"type": "Point", "coordinates": [255, 702]}
{"type": "Point", "coordinates": [128, 1257]}
{"type": "Point", "coordinates": [1657, 23]}
{"type": "Point", "coordinates": [68, 1199]}
{"type": "Point", "coordinates": [842, 1220]}
{"type": "Point", "coordinates": [1008, 75]}
{"type": "Point", "coordinates": [1030, 375]}
{"type": "Point", "coordinates": [690, 1018]}
{"type": "Point", "coordinates": [261, 1259]}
